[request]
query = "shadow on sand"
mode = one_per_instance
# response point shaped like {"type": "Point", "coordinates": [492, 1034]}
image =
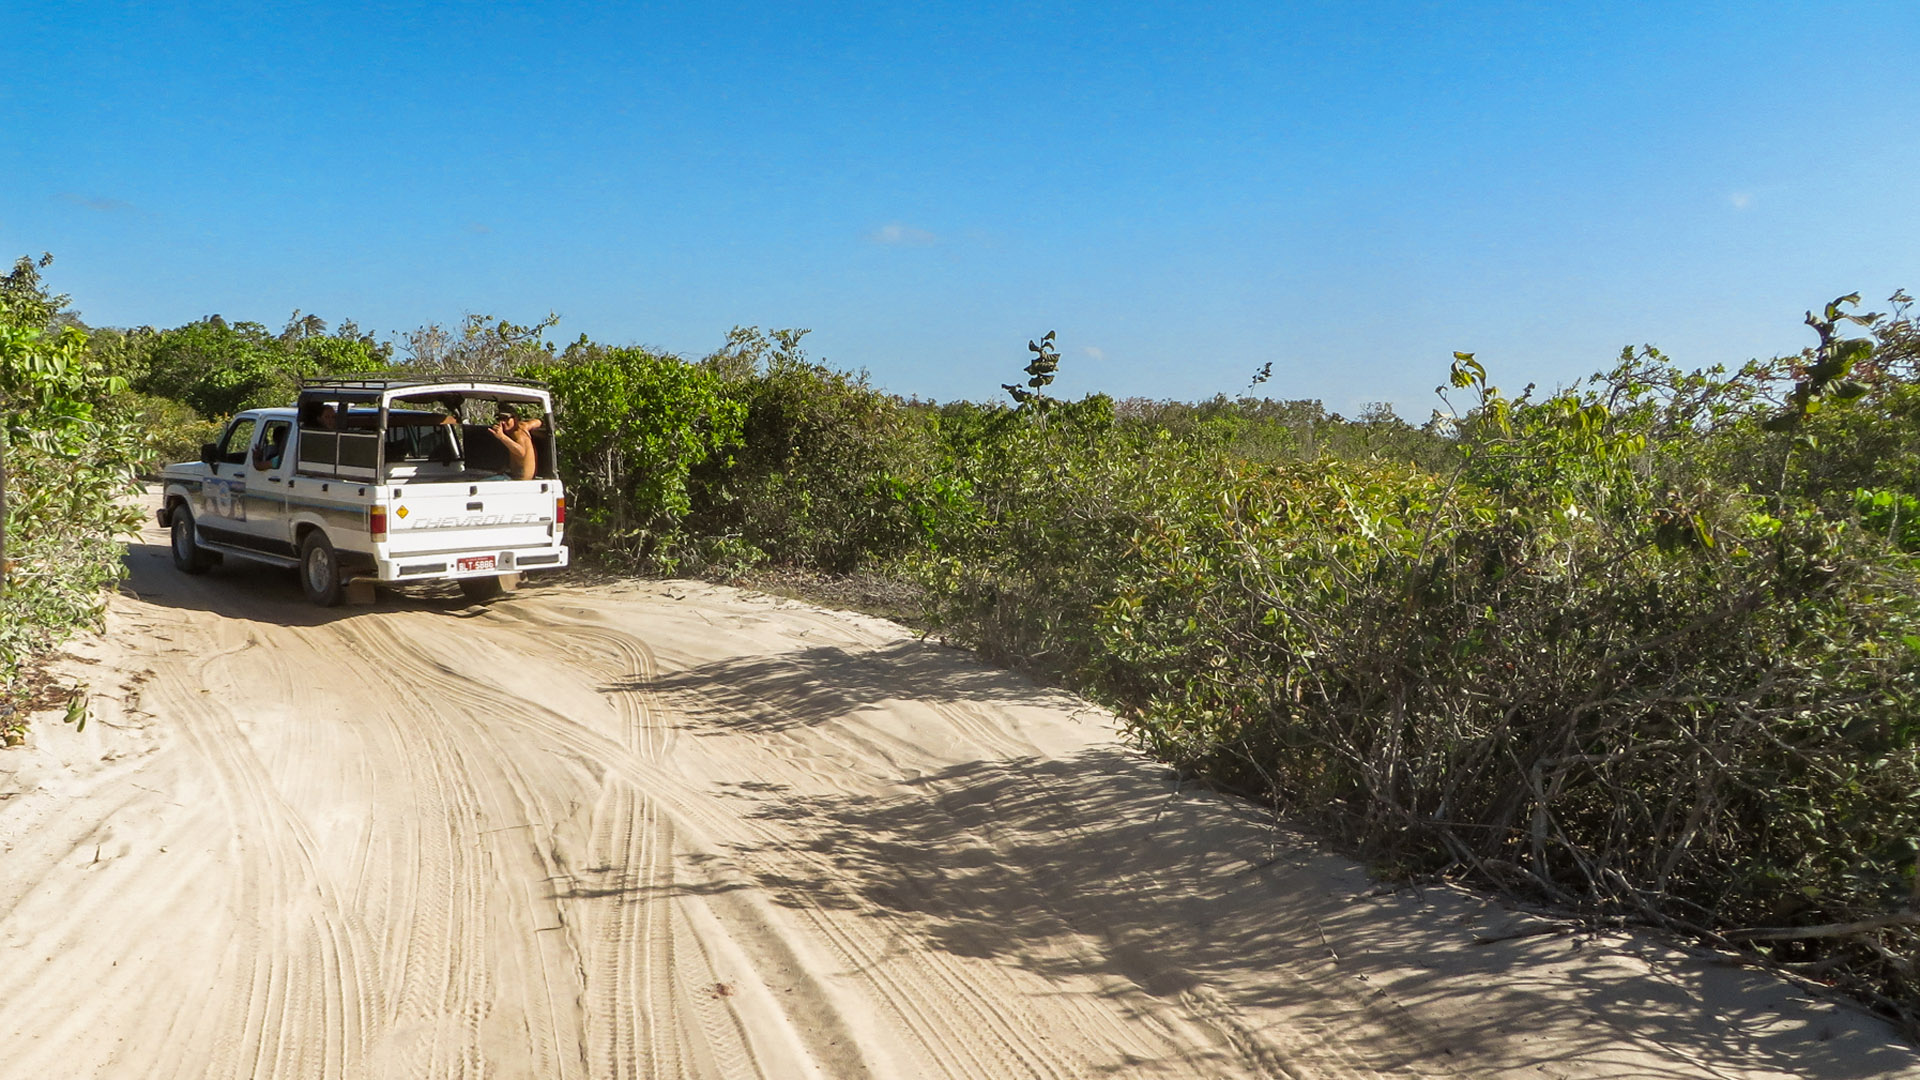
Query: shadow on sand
{"type": "Point", "coordinates": [1100, 868]}
{"type": "Point", "coordinates": [239, 589]}
{"type": "Point", "coordinates": [1097, 869]}
{"type": "Point", "coordinates": [809, 687]}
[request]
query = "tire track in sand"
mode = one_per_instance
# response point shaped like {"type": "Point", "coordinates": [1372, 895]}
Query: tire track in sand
{"type": "Point", "coordinates": [298, 964]}
{"type": "Point", "coordinates": [624, 669]}
{"type": "Point", "coordinates": [941, 1008]}
{"type": "Point", "coordinates": [991, 1003]}
{"type": "Point", "coordinates": [640, 1019]}
{"type": "Point", "coordinates": [472, 860]}
{"type": "Point", "coordinates": [475, 892]}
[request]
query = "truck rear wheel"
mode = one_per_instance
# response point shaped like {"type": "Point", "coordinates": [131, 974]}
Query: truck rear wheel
{"type": "Point", "coordinates": [187, 556]}
{"type": "Point", "coordinates": [320, 569]}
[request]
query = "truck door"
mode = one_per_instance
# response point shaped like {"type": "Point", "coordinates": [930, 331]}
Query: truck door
{"type": "Point", "coordinates": [270, 463]}
{"type": "Point", "coordinates": [223, 512]}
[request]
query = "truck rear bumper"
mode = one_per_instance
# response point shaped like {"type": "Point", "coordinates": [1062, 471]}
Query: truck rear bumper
{"type": "Point", "coordinates": [485, 562]}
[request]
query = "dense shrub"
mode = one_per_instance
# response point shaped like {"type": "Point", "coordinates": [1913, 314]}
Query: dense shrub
{"type": "Point", "coordinates": [828, 473]}
{"type": "Point", "coordinates": [1646, 650]}
{"type": "Point", "coordinates": [170, 430]}
{"type": "Point", "coordinates": [1057, 498]}
{"type": "Point", "coordinates": [1649, 647]}
{"type": "Point", "coordinates": [1270, 431]}
{"type": "Point", "coordinates": [219, 368]}
{"type": "Point", "coordinates": [483, 345]}
{"type": "Point", "coordinates": [635, 425]}
{"type": "Point", "coordinates": [66, 464]}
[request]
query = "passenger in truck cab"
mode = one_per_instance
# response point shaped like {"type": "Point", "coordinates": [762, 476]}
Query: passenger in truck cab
{"type": "Point", "coordinates": [517, 436]}
{"type": "Point", "coordinates": [272, 448]}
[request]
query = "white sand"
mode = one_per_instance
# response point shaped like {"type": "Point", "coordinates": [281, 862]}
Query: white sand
{"type": "Point", "coordinates": [670, 829]}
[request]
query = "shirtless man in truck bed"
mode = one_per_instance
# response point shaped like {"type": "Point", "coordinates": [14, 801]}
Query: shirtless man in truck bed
{"type": "Point", "coordinates": [517, 436]}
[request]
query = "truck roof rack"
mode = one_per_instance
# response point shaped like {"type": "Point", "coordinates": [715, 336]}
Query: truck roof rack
{"type": "Point", "coordinates": [408, 382]}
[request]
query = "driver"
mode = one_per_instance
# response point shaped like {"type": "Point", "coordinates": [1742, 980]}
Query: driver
{"type": "Point", "coordinates": [272, 448]}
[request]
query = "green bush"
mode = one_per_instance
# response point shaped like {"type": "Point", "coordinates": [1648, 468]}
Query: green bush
{"type": "Point", "coordinates": [66, 467]}
{"type": "Point", "coordinates": [1269, 431]}
{"type": "Point", "coordinates": [171, 430]}
{"type": "Point", "coordinates": [219, 368]}
{"type": "Point", "coordinates": [829, 473]}
{"type": "Point", "coordinates": [1641, 650]}
{"type": "Point", "coordinates": [1649, 647]}
{"type": "Point", "coordinates": [634, 425]}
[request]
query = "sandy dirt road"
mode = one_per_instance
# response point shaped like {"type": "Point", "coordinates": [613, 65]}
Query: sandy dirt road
{"type": "Point", "coordinates": [675, 830]}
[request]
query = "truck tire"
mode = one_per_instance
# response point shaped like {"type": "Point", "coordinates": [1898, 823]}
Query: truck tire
{"type": "Point", "coordinates": [187, 556]}
{"type": "Point", "coordinates": [481, 589]}
{"type": "Point", "coordinates": [320, 570]}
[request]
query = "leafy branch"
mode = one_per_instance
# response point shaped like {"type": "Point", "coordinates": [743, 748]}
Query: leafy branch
{"type": "Point", "coordinates": [1040, 373]}
{"type": "Point", "coordinates": [1833, 361]}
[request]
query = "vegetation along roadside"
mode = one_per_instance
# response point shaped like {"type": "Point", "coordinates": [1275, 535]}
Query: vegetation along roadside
{"type": "Point", "coordinates": [1647, 647]}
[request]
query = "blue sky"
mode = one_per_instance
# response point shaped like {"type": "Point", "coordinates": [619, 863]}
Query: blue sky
{"type": "Point", "coordinates": [1184, 192]}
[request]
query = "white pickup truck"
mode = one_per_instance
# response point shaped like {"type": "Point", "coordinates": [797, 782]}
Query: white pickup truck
{"type": "Point", "coordinates": [378, 480]}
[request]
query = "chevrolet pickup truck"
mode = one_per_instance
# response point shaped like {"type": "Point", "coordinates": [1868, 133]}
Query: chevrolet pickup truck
{"type": "Point", "coordinates": [378, 480]}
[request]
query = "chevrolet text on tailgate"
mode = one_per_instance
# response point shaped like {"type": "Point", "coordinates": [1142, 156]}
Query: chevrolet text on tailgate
{"type": "Point", "coordinates": [379, 480]}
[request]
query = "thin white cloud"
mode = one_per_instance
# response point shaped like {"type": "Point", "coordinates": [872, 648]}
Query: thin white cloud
{"type": "Point", "coordinates": [1741, 200]}
{"type": "Point", "coordinates": [104, 206]}
{"type": "Point", "coordinates": [902, 235]}
{"type": "Point", "coordinates": [1096, 353]}
{"type": "Point", "coordinates": [478, 229]}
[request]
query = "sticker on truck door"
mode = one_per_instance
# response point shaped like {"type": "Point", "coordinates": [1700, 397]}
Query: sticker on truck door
{"type": "Point", "coordinates": [226, 498]}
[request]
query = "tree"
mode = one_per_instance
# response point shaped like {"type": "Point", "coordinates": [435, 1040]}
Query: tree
{"type": "Point", "coordinates": [482, 345]}
{"type": "Point", "coordinates": [29, 371]}
{"type": "Point", "coordinates": [49, 385]}
{"type": "Point", "coordinates": [24, 301]}
{"type": "Point", "coordinates": [636, 424]}
{"type": "Point", "coordinates": [1040, 371]}
{"type": "Point", "coordinates": [220, 368]}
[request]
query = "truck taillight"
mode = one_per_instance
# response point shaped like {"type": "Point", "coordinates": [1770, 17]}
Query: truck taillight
{"type": "Point", "coordinates": [377, 523]}
{"type": "Point", "coordinates": [560, 510]}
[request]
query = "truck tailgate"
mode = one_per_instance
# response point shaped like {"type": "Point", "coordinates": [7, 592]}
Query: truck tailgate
{"type": "Point", "coordinates": [423, 518]}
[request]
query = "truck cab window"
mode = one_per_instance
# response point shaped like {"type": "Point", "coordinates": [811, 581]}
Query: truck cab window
{"type": "Point", "coordinates": [233, 449]}
{"type": "Point", "coordinates": [273, 445]}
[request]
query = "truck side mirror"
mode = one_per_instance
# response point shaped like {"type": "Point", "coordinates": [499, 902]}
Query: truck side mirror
{"type": "Point", "coordinates": [209, 452]}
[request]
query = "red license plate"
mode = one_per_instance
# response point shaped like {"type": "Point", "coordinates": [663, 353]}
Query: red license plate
{"type": "Point", "coordinates": [477, 562]}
